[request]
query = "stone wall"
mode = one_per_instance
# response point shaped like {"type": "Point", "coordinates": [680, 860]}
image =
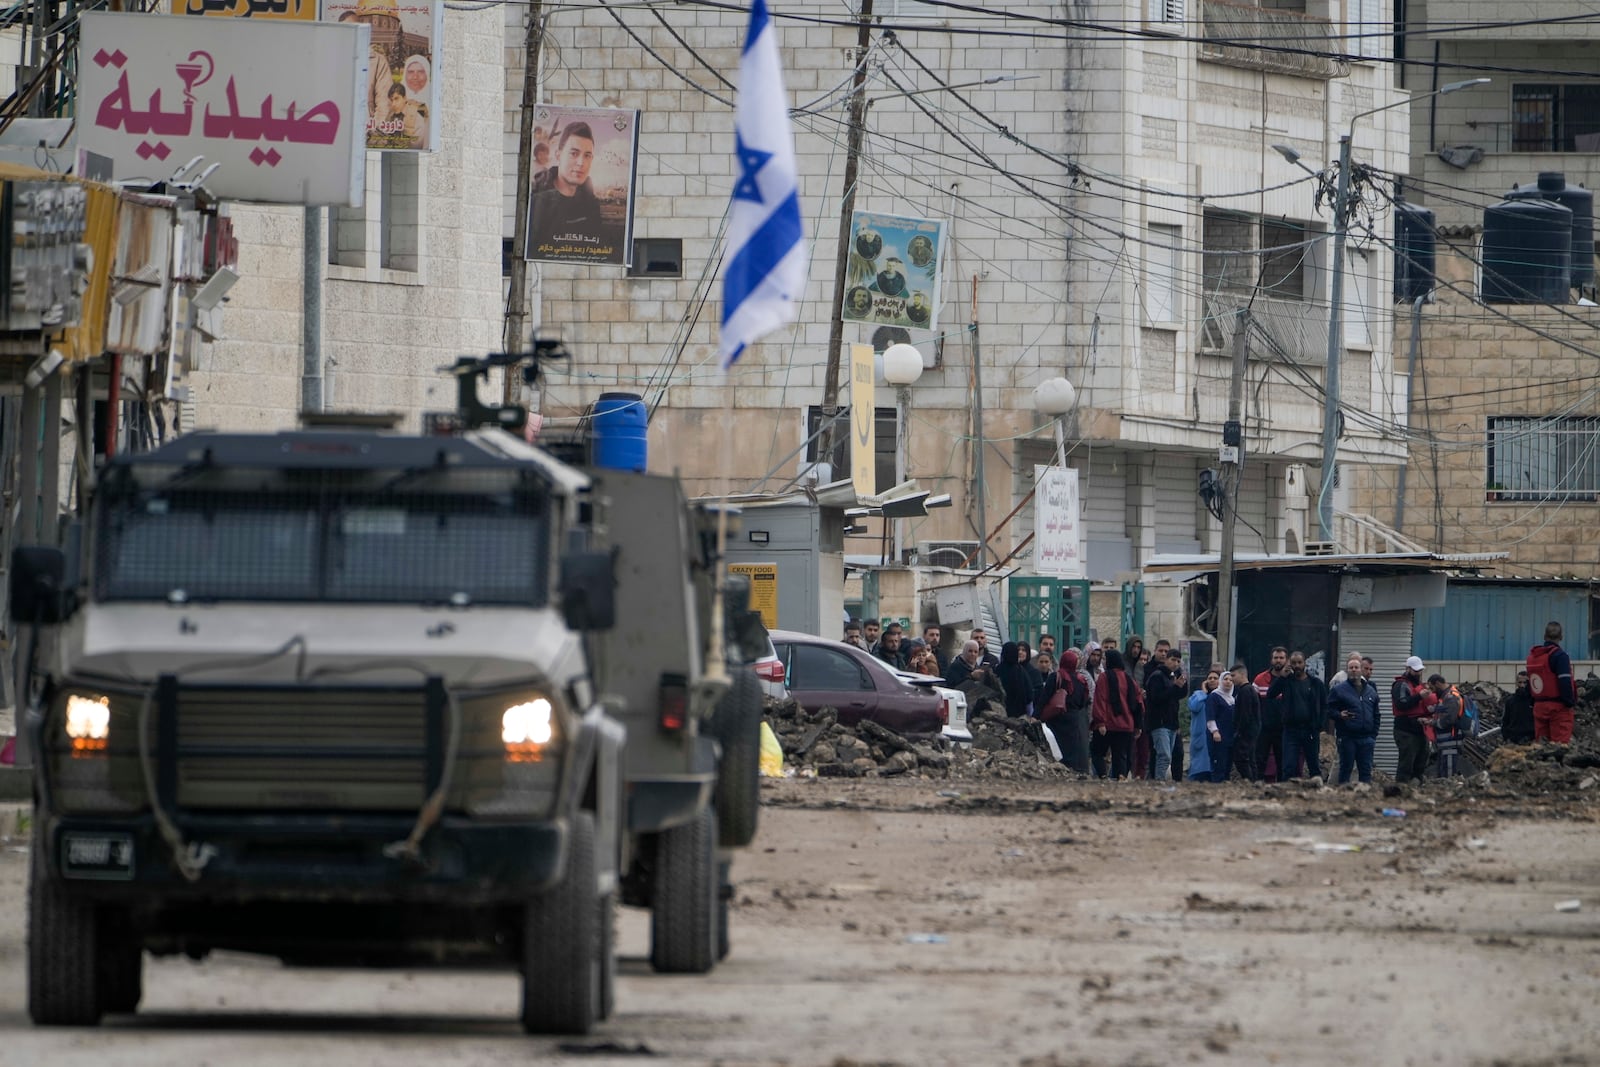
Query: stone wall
{"type": "Point", "coordinates": [385, 331]}
{"type": "Point", "coordinates": [1477, 362]}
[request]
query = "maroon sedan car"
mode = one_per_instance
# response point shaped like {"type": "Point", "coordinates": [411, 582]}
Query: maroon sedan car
{"type": "Point", "coordinates": [831, 674]}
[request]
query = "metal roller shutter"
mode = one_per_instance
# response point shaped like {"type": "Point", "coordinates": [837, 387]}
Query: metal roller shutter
{"type": "Point", "coordinates": [1386, 637]}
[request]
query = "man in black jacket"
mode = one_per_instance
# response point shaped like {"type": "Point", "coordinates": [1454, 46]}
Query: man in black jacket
{"type": "Point", "coordinates": [1162, 692]}
{"type": "Point", "coordinates": [1301, 700]}
{"type": "Point", "coordinates": [1246, 724]}
{"type": "Point", "coordinates": [1516, 722]}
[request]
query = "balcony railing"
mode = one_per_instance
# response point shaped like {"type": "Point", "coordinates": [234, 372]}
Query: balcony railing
{"type": "Point", "coordinates": [1255, 38]}
{"type": "Point", "coordinates": [1509, 136]}
{"type": "Point", "coordinates": [1298, 329]}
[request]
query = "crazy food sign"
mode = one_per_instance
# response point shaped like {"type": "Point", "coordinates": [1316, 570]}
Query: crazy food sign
{"type": "Point", "coordinates": [155, 93]}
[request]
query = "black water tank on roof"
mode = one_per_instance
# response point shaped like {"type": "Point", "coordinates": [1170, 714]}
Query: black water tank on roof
{"type": "Point", "coordinates": [1414, 252]}
{"type": "Point", "coordinates": [1527, 253]}
{"type": "Point", "coordinates": [1553, 185]}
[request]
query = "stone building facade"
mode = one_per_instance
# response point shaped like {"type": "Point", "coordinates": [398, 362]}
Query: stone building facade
{"type": "Point", "coordinates": [1112, 202]}
{"type": "Point", "coordinates": [411, 281]}
{"type": "Point", "coordinates": [1504, 452]}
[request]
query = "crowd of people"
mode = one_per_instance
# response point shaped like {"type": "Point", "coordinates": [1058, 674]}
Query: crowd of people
{"type": "Point", "coordinates": [1136, 712]}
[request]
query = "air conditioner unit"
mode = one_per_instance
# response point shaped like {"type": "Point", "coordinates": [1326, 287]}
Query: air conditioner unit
{"type": "Point", "coordinates": [946, 553]}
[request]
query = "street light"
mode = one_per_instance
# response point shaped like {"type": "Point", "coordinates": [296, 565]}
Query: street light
{"type": "Point", "coordinates": [1341, 225]}
{"type": "Point", "coordinates": [1056, 397]}
{"type": "Point", "coordinates": [902, 366]}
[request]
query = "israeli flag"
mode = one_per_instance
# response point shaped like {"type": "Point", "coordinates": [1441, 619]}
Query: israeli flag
{"type": "Point", "coordinates": [765, 275]}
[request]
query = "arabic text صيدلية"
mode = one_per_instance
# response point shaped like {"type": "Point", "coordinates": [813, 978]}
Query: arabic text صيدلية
{"type": "Point", "coordinates": [317, 125]}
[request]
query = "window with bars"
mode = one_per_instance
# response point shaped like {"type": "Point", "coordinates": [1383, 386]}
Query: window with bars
{"type": "Point", "coordinates": [1555, 118]}
{"type": "Point", "coordinates": [1365, 27]}
{"type": "Point", "coordinates": [1535, 458]}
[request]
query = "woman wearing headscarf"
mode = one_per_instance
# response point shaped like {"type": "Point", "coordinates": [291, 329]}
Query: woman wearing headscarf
{"type": "Point", "coordinates": [1064, 708]}
{"type": "Point", "coordinates": [417, 78]}
{"type": "Point", "coordinates": [1219, 727]}
{"type": "Point", "coordinates": [1018, 679]}
{"type": "Point", "coordinates": [1118, 714]}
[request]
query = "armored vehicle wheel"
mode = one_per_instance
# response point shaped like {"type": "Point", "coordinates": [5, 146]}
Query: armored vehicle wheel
{"type": "Point", "coordinates": [724, 894]}
{"type": "Point", "coordinates": [121, 963]}
{"type": "Point", "coordinates": [683, 906]}
{"type": "Point", "coordinates": [63, 951]}
{"type": "Point", "coordinates": [737, 727]}
{"type": "Point", "coordinates": [608, 955]}
{"type": "Point", "coordinates": [562, 969]}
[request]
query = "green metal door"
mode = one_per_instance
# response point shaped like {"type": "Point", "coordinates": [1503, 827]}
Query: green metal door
{"type": "Point", "coordinates": [1058, 606]}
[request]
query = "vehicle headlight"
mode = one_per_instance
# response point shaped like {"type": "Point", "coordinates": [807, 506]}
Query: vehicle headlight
{"type": "Point", "coordinates": [88, 723]}
{"type": "Point", "coordinates": [526, 729]}
{"type": "Point", "coordinates": [91, 752]}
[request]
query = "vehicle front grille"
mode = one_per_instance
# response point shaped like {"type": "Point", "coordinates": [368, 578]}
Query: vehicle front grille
{"type": "Point", "coordinates": [297, 748]}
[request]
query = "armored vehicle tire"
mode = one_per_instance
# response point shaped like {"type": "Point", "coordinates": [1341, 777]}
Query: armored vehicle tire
{"type": "Point", "coordinates": [121, 963]}
{"type": "Point", "coordinates": [737, 727]}
{"type": "Point", "coordinates": [724, 894]}
{"type": "Point", "coordinates": [63, 952]}
{"type": "Point", "coordinates": [562, 969]}
{"type": "Point", "coordinates": [683, 904]}
{"type": "Point", "coordinates": [608, 955]}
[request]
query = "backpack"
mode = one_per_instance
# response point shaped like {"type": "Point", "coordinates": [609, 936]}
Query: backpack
{"type": "Point", "coordinates": [1469, 716]}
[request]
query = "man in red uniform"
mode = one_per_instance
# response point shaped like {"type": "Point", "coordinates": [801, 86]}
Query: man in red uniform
{"type": "Point", "coordinates": [1550, 679]}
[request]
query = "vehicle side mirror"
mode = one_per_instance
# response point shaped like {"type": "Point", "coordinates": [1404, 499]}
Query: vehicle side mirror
{"type": "Point", "coordinates": [38, 577]}
{"type": "Point", "coordinates": [588, 591]}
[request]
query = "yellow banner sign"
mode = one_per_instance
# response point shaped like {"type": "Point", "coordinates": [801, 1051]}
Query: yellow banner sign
{"type": "Point", "coordinates": [296, 10]}
{"type": "Point", "coordinates": [763, 589]}
{"type": "Point", "coordinates": [863, 423]}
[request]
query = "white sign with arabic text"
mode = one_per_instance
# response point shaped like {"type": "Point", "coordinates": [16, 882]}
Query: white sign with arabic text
{"type": "Point", "coordinates": [1057, 530]}
{"type": "Point", "coordinates": [156, 92]}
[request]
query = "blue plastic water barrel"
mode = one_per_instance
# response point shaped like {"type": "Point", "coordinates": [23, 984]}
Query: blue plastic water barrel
{"type": "Point", "coordinates": [619, 429]}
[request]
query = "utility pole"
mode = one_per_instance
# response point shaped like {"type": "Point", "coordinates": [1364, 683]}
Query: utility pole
{"type": "Point", "coordinates": [312, 398]}
{"type": "Point", "coordinates": [847, 207]}
{"type": "Point", "coordinates": [1232, 463]}
{"type": "Point", "coordinates": [977, 433]}
{"type": "Point", "coordinates": [517, 300]}
{"type": "Point", "coordinates": [1330, 398]}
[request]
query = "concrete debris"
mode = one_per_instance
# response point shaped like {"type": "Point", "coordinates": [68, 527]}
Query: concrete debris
{"type": "Point", "coordinates": [817, 743]}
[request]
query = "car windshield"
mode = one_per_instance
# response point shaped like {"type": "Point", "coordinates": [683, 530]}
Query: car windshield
{"type": "Point", "coordinates": [375, 536]}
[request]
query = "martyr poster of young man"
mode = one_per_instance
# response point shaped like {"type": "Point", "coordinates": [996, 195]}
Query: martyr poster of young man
{"type": "Point", "coordinates": [894, 271]}
{"type": "Point", "coordinates": [580, 208]}
{"type": "Point", "coordinates": [403, 87]}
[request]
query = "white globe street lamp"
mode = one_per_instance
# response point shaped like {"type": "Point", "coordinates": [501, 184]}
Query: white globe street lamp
{"type": "Point", "coordinates": [1057, 398]}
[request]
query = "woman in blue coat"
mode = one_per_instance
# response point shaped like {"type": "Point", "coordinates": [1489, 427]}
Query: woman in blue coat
{"type": "Point", "coordinates": [1199, 758]}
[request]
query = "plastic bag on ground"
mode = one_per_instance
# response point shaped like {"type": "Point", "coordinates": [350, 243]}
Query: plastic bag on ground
{"type": "Point", "coordinates": [771, 753]}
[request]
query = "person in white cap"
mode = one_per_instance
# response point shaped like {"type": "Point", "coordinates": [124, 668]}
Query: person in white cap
{"type": "Point", "coordinates": [1410, 714]}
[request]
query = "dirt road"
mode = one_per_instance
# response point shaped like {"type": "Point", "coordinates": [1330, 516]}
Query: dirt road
{"type": "Point", "coordinates": [1020, 923]}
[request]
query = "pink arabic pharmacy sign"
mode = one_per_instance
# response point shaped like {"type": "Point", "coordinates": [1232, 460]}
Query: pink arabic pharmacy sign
{"type": "Point", "coordinates": [278, 104]}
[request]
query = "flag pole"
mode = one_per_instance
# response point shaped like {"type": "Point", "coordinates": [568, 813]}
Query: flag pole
{"type": "Point", "coordinates": [764, 277]}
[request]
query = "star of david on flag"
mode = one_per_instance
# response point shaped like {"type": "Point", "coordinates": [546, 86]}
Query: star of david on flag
{"type": "Point", "coordinates": [765, 275]}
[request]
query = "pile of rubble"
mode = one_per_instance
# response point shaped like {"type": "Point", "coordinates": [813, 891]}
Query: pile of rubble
{"type": "Point", "coordinates": [1539, 768]}
{"type": "Point", "coordinates": [818, 744]}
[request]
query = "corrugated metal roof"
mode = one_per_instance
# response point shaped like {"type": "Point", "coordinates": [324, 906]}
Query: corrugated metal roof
{"type": "Point", "coordinates": [1166, 563]}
